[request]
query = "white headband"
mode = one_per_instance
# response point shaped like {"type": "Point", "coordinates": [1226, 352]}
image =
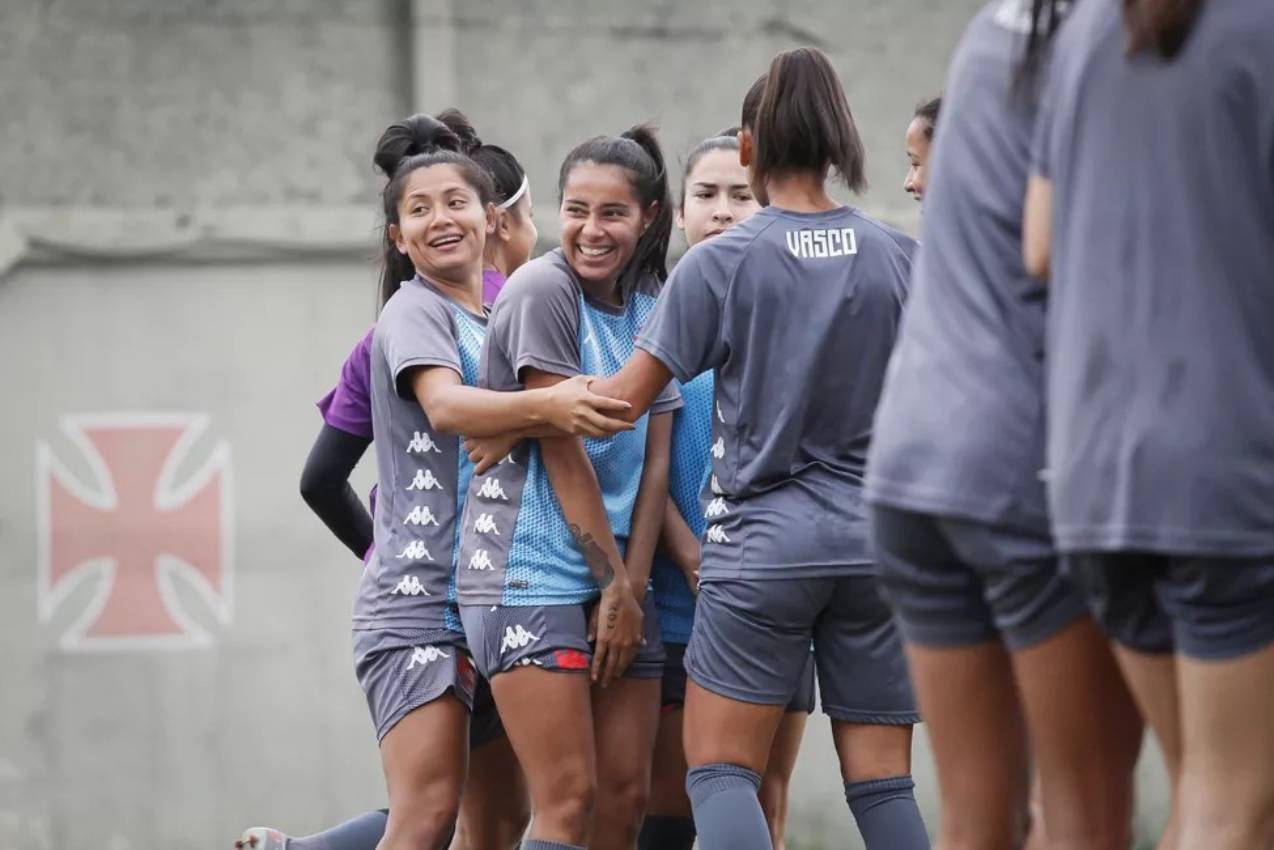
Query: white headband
{"type": "Point", "coordinates": [513, 199]}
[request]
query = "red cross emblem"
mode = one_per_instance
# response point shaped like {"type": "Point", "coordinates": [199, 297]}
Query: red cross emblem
{"type": "Point", "coordinates": [133, 529]}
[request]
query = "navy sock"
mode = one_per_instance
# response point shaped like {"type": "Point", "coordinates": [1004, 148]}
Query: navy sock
{"type": "Point", "coordinates": [728, 814]}
{"type": "Point", "coordinates": [666, 832]}
{"type": "Point", "coordinates": [540, 844]}
{"type": "Point", "coordinates": [361, 833]}
{"type": "Point", "coordinates": [886, 813]}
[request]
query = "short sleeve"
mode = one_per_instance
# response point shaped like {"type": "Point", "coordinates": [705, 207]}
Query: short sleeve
{"type": "Point", "coordinates": [416, 328]}
{"type": "Point", "coordinates": [668, 400]}
{"type": "Point", "coordinates": [1042, 135]}
{"type": "Point", "coordinates": [348, 407]}
{"type": "Point", "coordinates": [684, 333]}
{"type": "Point", "coordinates": [535, 325]}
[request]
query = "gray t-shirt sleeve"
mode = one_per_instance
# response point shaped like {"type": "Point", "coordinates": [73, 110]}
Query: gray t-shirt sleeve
{"type": "Point", "coordinates": [1041, 153]}
{"type": "Point", "coordinates": [417, 330]}
{"type": "Point", "coordinates": [538, 321]}
{"type": "Point", "coordinates": [668, 400]}
{"type": "Point", "coordinates": [684, 333]}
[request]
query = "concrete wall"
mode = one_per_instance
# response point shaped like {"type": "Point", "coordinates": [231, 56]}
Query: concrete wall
{"type": "Point", "coordinates": [186, 211]}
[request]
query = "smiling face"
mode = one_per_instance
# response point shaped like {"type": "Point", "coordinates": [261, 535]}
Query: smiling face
{"type": "Point", "coordinates": [717, 196]}
{"type": "Point", "coordinates": [917, 139]}
{"type": "Point", "coordinates": [442, 224]}
{"type": "Point", "coordinates": [602, 220]}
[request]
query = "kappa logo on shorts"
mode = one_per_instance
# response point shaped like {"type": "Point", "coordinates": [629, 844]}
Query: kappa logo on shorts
{"type": "Point", "coordinates": [481, 560]}
{"type": "Point", "coordinates": [420, 515]}
{"type": "Point", "coordinates": [716, 508]}
{"type": "Point", "coordinates": [716, 534]}
{"type": "Point", "coordinates": [485, 524]}
{"type": "Point", "coordinates": [718, 448]}
{"type": "Point", "coordinates": [410, 586]}
{"type": "Point", "coordinates": [516, 637]}
{"type": "Point", "coordinates": [133, 531]}
{"type": "Point", "coordinates": [423, 655]}
{"type": "Point", "coordinates": [491, 489]}
{"type": "Point", "coordinates": [416, 551]}
{"type": "Point", "coordinates": [424, 480]}
{"type": "Point", "coordinates": [421, 443]}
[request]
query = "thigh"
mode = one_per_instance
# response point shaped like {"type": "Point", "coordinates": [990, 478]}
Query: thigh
{"type": "Point", "coordinates": [548, 719]}
{"type": "Point", "coordinates": [496, 807]}
{"type": "Point", "coordinates": [978, 739]}
{"type": "Point", "coordinates": [751, 638]}
{"type": "Point", "coordinates": [722, 730]}
{"type": "Point", "coordinates": [1084, 740]}
{"type": "Point", "coordinates": [425, 757]}
{"type": "Point", "coordinates": [862, 670]}
{"type": "Point", "coordinates": [936, 597]}
{"type": "Point", "coordinates": [625, 722]}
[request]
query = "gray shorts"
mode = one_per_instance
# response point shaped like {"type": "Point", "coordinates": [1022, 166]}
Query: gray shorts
{"type": "Point", "coordinates": [553, 637]}
{"type": "Point", "coordinates": [672, 695]}
{"type": "Point", "coordinates": [752, 637]}
{"type": "Point", "coordinates": [955, 582]}
{"type": "Point", "coordinates": [401, 670]}
{"type": "Point", "coordinates": [1203, 607]}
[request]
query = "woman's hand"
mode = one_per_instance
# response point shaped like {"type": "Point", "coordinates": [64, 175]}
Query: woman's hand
{"type": "Point", "coordinates": [617, 624]}
{"type": "Point", "coordinates": [575, 410]}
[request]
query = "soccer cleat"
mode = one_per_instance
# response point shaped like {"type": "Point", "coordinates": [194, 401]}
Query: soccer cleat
{"type": "Point", "coordinates": [262, 838]}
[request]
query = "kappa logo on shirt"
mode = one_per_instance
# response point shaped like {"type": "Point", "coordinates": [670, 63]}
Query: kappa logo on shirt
{"type": "Point", "coordinates": [720, 418]}
{"type": "Point", "coordinates": [410, 586]}
{"type": "Point", "coordinates": [820, 244]}
{"type": "Point", "coordinates": [715, 487]}
{"type": "Point", "coordinates": [516, 637]}
{"type": "Point", "coordinates": [423, 655]}
{"type": "Point", "coordinates": [718, 448]}
{"type": "Point", "coordinates": [716, 508]}
{"type": "Point", "coordinates": [716, 534]}
{"type": "Point", "coordinates": [421, 443]}
{"type": "Point", "coordinates": [424, 480]}
{"type": "Point", "coordinates": [485, 524]}
{"type": "Point", "coordinates": [491, 489]}
{"type": "Point", "coordinates": [481, 560]}
{"type": "Point", "coordinates": [416, 551]}
{"type": "Point", "coordinates": [420, 515]}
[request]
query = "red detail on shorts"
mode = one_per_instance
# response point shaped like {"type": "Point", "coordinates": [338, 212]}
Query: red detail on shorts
{"type": "Point", "coordinates": [466, 673]}
{"type": "Point", "coordinates": [571, 659]}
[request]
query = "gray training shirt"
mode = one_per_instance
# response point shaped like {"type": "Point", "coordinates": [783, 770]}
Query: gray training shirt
{"type": "Point", "coordinates": [409, 581]}
{"type": "Point", "coordinates": [797, 313]}
{"type": "Point", "coordinates": [1161, 315]}
{"type": "Point", "coordinates": [960, 429]}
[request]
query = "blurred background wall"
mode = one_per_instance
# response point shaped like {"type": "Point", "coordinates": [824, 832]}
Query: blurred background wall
{"type": "Point", "coordinates": [187, 226]}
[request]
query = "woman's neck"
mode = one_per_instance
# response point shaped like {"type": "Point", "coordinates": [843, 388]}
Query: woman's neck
{"type": "Point", "coordinates": [605, 291]}
{"type": "Point", "coordinates": [496, 261]}
{"type": "Point", "coordinates": [800, 191]}
{"type": "Point", "coordinates": [465, 291]}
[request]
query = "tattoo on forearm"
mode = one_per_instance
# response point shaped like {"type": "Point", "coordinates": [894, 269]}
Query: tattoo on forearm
{"type": "Point", "coordinates": [594, 556]}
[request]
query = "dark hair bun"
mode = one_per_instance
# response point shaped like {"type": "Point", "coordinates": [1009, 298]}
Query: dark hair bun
{"type": "Point", "coordinates": [459, 124]}
{"type": "Point", "coordinates": [418, 134]}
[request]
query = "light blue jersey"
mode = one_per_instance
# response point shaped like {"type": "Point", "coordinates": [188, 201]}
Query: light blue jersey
{"type": "Point", "coordinates": [687, 479]}
{"type": "Point", "coordinates": [516, 546]}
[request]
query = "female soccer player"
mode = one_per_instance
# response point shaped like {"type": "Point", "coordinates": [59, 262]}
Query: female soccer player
{"type": "Point", "coordinates": [715, 196]}
{"type": "Point", "coordinates": [919, 140]}
{"type": "Point", "coordinates": [796, 310]}
{"type": "Point", "coordinates": [1155, 163]}
{"type": "Point", "coordinates": [958, 508]}
{"type": "Point", "coordinates": [558, 540]}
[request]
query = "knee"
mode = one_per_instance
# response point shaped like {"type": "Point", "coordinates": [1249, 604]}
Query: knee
{"type": "Point", "coordinates": [570, 803]}
{"type": "Point", "coordinates": [624, 798]}
{"type": "Point", "coordinates": [425, 826]}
